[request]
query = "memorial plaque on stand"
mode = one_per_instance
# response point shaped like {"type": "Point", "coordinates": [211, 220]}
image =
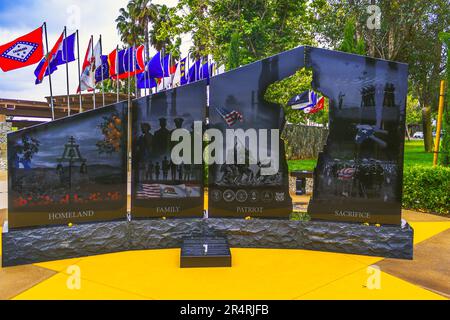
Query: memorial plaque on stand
{"type": "Point", "coordinates": [205, 252]}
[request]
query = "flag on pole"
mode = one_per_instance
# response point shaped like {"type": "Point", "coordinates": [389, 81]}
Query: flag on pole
{"type": "Point", "coordinates": [159, 67]}
{"type": "Point", "coordinates": [137, 65]}
{"type": "Point", "coordinates": [116, 64]}
{"type": "Point", "coordinates": [97, 54]}
{"type": "Point", "coordinates": [194, 72]}
{"type": "Point", "coordinates": [103, 67]}
{"type": "Point", "coordinates": [112, 62]}
{"type": "Point", "coordinates": [88, 69]}
{"type": "Point", "coordinates": [204, 72]}
{"type": "Point", "coordinates": [320, 104]}
{"type": "Point", "coordinates": [65, 52]}
{"type": "Point", "coordinates": [144, 82]}
{"type": "Point", "coordinates": [308, 101]}
{"type": "Point", "coordinates": [22, 52]}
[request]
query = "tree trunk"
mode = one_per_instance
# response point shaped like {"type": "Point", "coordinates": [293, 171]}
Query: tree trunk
{"type": "Point", "coordinates": [427, 130]}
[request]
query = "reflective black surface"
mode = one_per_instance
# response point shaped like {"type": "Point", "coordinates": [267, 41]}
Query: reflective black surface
{"type": "Point", "coordinates": [240, 190]}
{"type": "Point", "coordinates": [358, 177]}
{"type": "Point", "coordinates": [161, 188]}
{"type": "Point", "coordinates": [71, 170]}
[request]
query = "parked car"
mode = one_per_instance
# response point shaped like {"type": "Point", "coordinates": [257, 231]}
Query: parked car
{"type": "Point", "coordinates": [418, 135]}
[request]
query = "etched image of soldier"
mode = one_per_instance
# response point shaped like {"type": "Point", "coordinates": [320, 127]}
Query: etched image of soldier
{"type": "Point", "coordinates": [143, 150]}
{"type": "Point", "coordinates": [150, 170]}
{"type": "Point", "coordinates": [165, 168]}
{"type": "Point", "coordinates": [162, 139]}
{"type": "Point", "coordinates": [157, 171]}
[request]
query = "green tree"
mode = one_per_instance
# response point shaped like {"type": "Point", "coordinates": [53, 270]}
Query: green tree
{"type": "Point", "coordinates": [350, 43]}
{"type": "Point", "coordinates": [445, 145]}
{"type": "Point", "coordinates": [234, 59]}
{"type": "Point", "coordinates": [407, 33]}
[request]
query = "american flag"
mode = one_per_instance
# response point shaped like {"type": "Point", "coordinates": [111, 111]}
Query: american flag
{"type": "Point", "coordinates": [148, 191]}
{"type": "Point", "coordinates": [230, 117]}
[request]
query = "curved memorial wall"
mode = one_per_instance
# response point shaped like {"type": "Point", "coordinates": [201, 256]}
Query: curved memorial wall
{"type": "Point", "coordinates": [72, 172]}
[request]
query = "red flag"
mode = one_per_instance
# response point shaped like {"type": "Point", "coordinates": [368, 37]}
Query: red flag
{"type": "Point", "coordinates": [22, 52]}
{"type": "Point", "coordinates": [88, 69]}
{"type": "Point", "coordinates": [112, 60]}
{"type": "Point", "coordinates": [319, 106]}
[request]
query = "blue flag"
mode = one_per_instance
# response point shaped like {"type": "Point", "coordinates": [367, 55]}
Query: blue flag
{"type": "Point", "coordinates": [65, 53]}
{"type": "Point", "coordinates": [159, 68]}
{"type": "Point", "coordinates": [145, 82]}
{"type": "Point", "coordinates": [184, 76]}
{"type": "Point", "coordinates": [204, 72]}
{"type": "Point", "coordinates": [105, 68]}
{"type": "Point", "coordinates": [194, 72]}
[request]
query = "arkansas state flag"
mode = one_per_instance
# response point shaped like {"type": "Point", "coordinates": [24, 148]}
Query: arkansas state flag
{"type": "Point", "coordinates": [22, 52]}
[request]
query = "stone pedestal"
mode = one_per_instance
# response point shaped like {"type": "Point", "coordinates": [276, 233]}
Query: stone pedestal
{"type": "Point", "coordinates": [25, 246]}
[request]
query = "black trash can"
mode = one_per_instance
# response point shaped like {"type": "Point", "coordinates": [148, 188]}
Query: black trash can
{"type": "Point", "coordinates": [300, 181]}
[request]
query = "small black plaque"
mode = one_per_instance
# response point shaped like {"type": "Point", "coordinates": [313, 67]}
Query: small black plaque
{"type": "Point", "coordinates": [205, 252]}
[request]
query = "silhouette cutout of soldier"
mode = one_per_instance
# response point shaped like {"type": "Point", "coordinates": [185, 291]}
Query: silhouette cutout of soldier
{"type": "Point", "coordinates": [178, 123]}
{"type": "Point", "coordinates": [150, 168]}
{"type": "Point", "coordinates": [173, 170]}
{"type": "Point", "coordinates": [187, 172]}
{"type": "Point", "coordinates": [143, 146]}
{"type": "Point", "coordinates": [180, 171]}
{"type": "Point", "coordinates": [162, 138]}
{"type": "Point", "coordinates": [157, 171]}
{"type": "Point", "coordinates": [165, 168]}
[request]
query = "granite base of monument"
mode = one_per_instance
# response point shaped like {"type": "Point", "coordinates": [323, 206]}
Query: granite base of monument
{"type": "Point", "coordinates": [25, 246]}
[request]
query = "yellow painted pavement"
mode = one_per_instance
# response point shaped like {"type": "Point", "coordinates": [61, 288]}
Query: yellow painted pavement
{"type": "Point", "coordinates": [256, 274]}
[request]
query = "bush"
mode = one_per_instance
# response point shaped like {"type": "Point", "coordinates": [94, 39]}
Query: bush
{"type": "Point", "coordinates": [427, 189]}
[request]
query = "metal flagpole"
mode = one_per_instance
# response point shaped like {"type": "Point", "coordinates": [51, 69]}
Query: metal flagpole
{"type": "Point", "coordinates": [188, 66]}
{"type": "Point", "coordinates": [79, 72]}
{"type": "Point", "coordinates": [145, 71]}
{"type": "Point", "coordinates": [129, 82]}
{"type": "Point", "coordinates": [117, 71]}
{"type": "Point", "coordinates": [67, 70]}
{"type": "Point", "coordinates": [103, 84]}
{"type": "Point", "coordinates": [49, 75]}
{"type": "Point", "coordinates": [163, 68]}
{"type": "Point", "coordinates": [90, 58]}
{"type": "Point", "coordinates": [135, 69]}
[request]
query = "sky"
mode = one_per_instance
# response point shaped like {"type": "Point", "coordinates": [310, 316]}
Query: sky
{"type": "Point", "coordinates": [94, 17]}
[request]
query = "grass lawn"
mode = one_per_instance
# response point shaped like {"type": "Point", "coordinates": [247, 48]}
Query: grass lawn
{"type": "Point", "coordinates": [414, 155]}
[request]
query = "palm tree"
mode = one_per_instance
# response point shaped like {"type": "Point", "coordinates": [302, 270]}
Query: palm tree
{"type": "Point", "coordinates": [133, 23]}
{"type": "Point", "coordinates": [126, 25]}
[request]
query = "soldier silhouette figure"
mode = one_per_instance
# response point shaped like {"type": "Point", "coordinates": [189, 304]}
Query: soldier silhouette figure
{"type": "Point", "coordinates": [173, 170]}
{"type": "Point", "coordinates": [157, 170]}
{"type": "Point", "coordinates": [165, 168]}
{"type": "Point", "coordinates": [162, 138]}
{"type": "Point", "coordinates": [150, 168]}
